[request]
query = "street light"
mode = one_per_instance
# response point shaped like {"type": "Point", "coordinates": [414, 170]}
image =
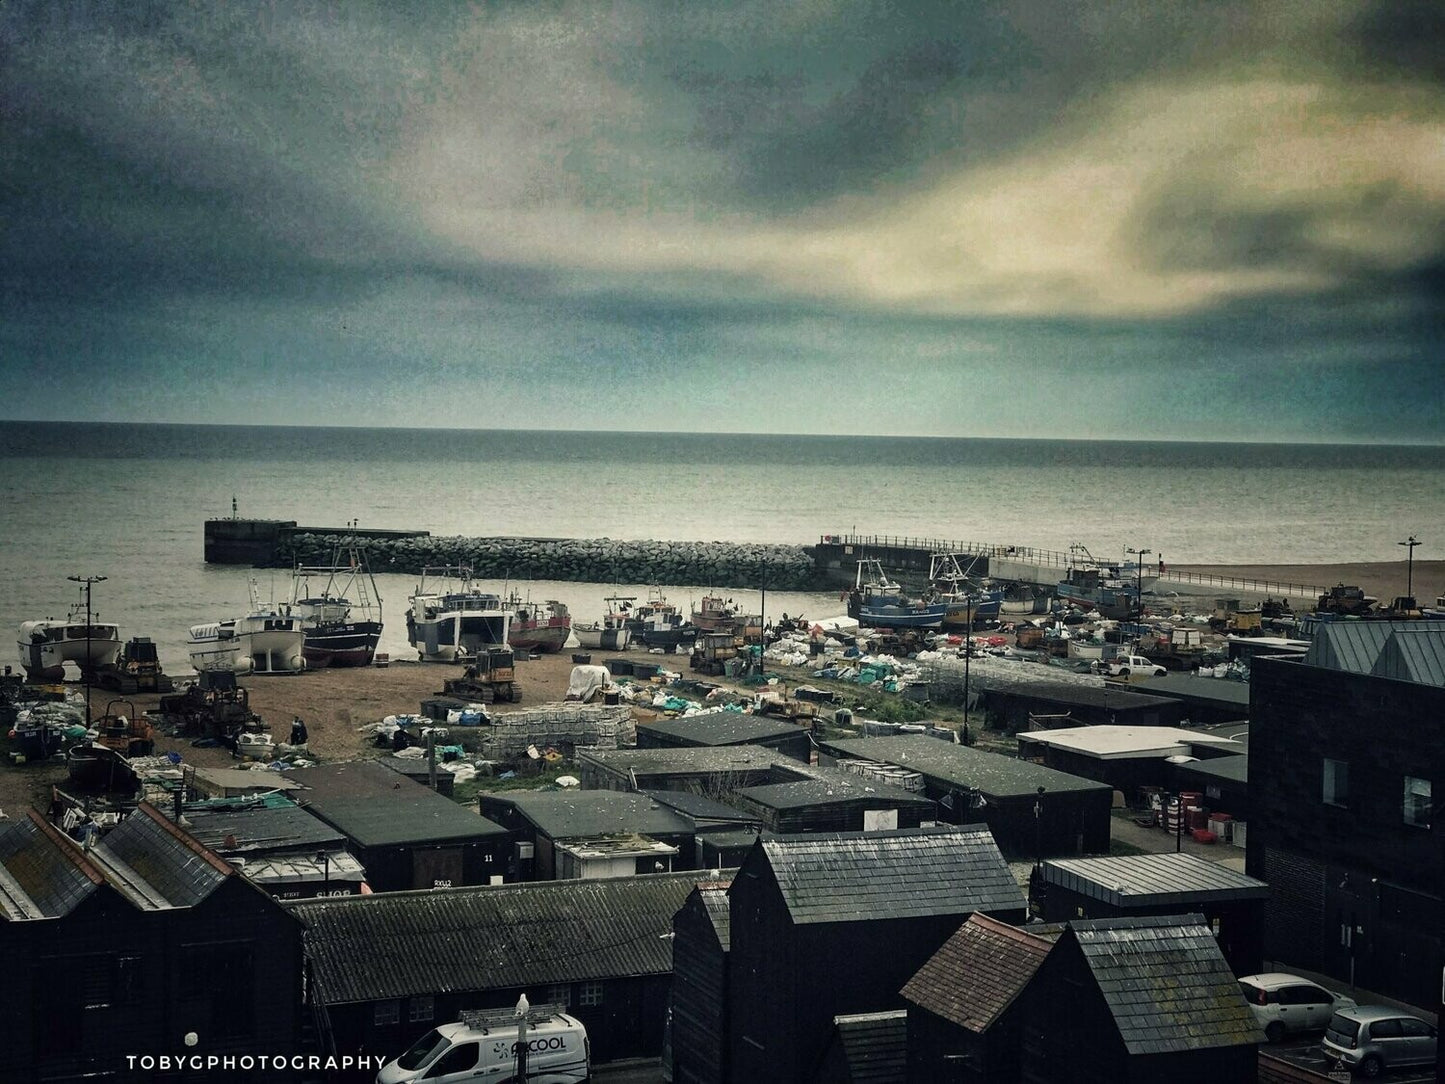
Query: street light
{"type": "Point", "coordinates": [1139, 556]}
{"type": "Point", "coordinates": [1409, 544]}
{"type": "Point", "coordinates": [967, 654]}
{"type": "Point", "coordinates": [88, 666]}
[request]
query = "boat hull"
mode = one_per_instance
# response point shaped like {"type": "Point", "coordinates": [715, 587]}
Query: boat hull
{"type": "Point", "coordinates": [350, 643]}
{"type": "Point", "coordinates": [599, 638]}
{"type": "Point", "coordinates": [455, 636]}
{"type": "Point", "coordinates": [268, 651]}
{"type": "Point", "coordinates": [894, 617]}
{"type": "Point", "coordinates": [548, 639]}
{"type": "Point", "coordinates": [45, 649]}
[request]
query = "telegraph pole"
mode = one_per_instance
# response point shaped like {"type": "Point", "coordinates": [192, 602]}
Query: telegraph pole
{"type": "Point", "coordinates": [89, 666]}
{"type": "Point", "coordinates": [1409, 544]}
{"type": "Point", "coordinates": [1139, 556]}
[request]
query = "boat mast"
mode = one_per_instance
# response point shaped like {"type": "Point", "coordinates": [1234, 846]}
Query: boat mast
{"type": "Point", "coordinates": [85, 671]}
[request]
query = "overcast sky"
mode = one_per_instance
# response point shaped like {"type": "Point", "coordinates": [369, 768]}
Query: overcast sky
{"type": "Point", "coordinates": [1040, 218]}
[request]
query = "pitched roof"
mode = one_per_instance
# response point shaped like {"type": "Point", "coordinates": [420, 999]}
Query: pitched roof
{"type": "Point", "coordinates": [992, 774]}
{"type": "Point", "coordinates": [1412, 654]}
{"type": "Point", "coordinates": [263, 828]}
{"type": "Point", "coordinates": [396, 944]}
{"type": "Point", "coordinates": [874, 1046]}
{"type": "Point", "coordinates": [1355, 646]}
{"type": "Point", "coordinates": [155, 864]}
{"type": "Point", "coordinates": [907, 873]}
{"type": "Point", "coordinates": [826, 785]}
{"type": "Point", "coordinates": [378, 807]}
{"type": "Point", "coordinates": [1165, 983]}
{"type": "Point", "coordinates": [978, 972]}
{"type": "Point", "coordinates": [1152, 880]}
{"type": "Point", "coordinates": [714, 897]}
{"type": "Point", "coordinates": [570, 814]}
{"type": "Point", "coordinates": [41, 875]}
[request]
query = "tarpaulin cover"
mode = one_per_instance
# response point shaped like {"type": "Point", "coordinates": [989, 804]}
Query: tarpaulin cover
{"type": "Point", "coordinates": [586, 681]}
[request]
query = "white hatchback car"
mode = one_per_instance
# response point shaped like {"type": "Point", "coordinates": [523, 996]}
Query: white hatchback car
{"type": "Point", "coordinates": [1288, 1004]}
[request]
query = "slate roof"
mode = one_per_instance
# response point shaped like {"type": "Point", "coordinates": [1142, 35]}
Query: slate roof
{"type": "Point", "coordinates": [992, 774]}
{"type": "Point", "coordinates": [266, 828]}
{"type": "Point", "coordinates": [571, 814]}
{"type": "Point", "coordinates": [1152, 880]}
{"type": "Point", "coordinates": [906, 873]}
{"type": "Point", "coordinates": [1355, 646]}
{"type": "Point", "coordinates": [875, 1046]}
{"type": "Point", "coordinates": [1165, 983]}
{"type": "Point", "coordinates": [397, 944]}
{"type": "Point", "coordinates": [714, 896]}
{"type": "Point", "coordinates": [720, 728]}
{"type": "Point", "coordinates": [378, 807]}
{"type": "Point", "coordinates": [41, 875]}
{"type": "Point", "coordinates": [155, 864]}
{"type": "Point", "coordinates": [978, 972]}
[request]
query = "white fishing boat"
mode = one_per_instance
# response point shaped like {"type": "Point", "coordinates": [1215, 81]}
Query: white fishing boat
{"type": "Point", "coordinates": [84, 642]}
{"type": "Point", "coordinates": [611, 633]}
{"type": "Point", "coordinates": [268, 640]}
{"type": "Point", "coordinates": [451, 620]}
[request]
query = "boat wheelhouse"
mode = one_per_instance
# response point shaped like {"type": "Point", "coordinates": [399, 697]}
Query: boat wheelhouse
{"type": "Point", "coordinates": [83, 641]}
{"type": "Point", "coordinates": [451, 619]}
{"type": "Point", "coordinates": [341, 621]}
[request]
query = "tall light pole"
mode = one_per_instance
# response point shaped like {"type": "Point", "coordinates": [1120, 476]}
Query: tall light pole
{"type": "Point", "coordinates": [1409, 544]}
{"type": "Point", "coordinates": [89, 665]}
{"type": "Point", "coordinates": [967, 654]}
{"type": "Point", "coordinates": [1139, 556]}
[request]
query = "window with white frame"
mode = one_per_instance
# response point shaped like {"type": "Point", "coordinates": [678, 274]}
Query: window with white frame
{"type": "Point", "coordinates": [589, 993]}
{"type": "Point", "coordinates": [1417, 801]}
{"type": "Point", "coordinates": [420, 1008]}
{"type": "Point", "coordinates": [559, 995]}
{"type": "Point", "coordinates": [1337, 782]}
{"type": "Point", "coordinates": [385, 1012]}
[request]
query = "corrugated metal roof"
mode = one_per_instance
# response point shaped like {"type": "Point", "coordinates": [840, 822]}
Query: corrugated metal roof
{"type": "Point", "coordinates": [688, 761]}
{"type": "Point", "coordinates": [720, 727]}
{"type": "Point", "coordinates": [567, 814]}
{"type": "Point", "coordinates": [698, 808]}
{"type": "Point", "coordinates": [992, 774]}
{"type": "Point", "coordinates": [875, 1046]}
{"type": "Point", "coordinates": [978, 972]}
{"type": "Point", "coordinates": [151, 862]}
{"type": "Point", "coordinates": [1152, 880]}
{"type": "Point", "coordinates": [1355, 646]}
{"type": "Point", "coordinates": [267, 828]}
{"type": "Point", "coordinates": [378, 807]}
{"type": "Point", "coordinates": [1412, 654]}
{"type": "Point", "coordinates": [397, 944]}
{"type": "Point", "coordinates": [1166, 983]}
{"type": "Point", "coordinates": [39, 876]}
{"type": "Point", "coordinates": [908, 873]}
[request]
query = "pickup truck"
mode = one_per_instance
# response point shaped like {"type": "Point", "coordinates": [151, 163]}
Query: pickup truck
{"type": "Point", "coordinates": [1129, 665]}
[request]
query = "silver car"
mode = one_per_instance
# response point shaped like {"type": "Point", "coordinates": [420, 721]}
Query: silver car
{"type": "Point", "coordinates": [1372, 1038]}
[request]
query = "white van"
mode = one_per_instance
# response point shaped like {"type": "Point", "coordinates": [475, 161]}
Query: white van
{"type": "Point", "coordinates": [482, 1049]}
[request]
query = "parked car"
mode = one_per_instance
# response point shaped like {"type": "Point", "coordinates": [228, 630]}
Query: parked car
{"type": "Point", "coordinates": [1372, 1038]}
{"type": "Point", "coordinates": [1127, 665]}
{"type": "Point", "coordinates": [1288, 1004]}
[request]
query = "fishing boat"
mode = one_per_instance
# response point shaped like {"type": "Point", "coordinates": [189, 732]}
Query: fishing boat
{"type": "Point", "coordinates": [538, 626]}
{"type": "Point", "coordinates": [341, 622]}
{"type": "Point", "coordinates": [968, 601]}
{"type": "Point", "coordinates": [717, 614]}
{"type": "Point", "coordinates": [450, 619]}
{"type": "Point", "coordinates": [658, 623]}
{"type": "Point", "coordinates": [611, 633]}
{"type": "Point", "coordinates": [879, 603]}
{"type": "Point", "coordinates": [48, 644]}
{"type": "Point", "coordinates": [267, 640]}
{"type": "Point", "coordinates": [1094, 585]}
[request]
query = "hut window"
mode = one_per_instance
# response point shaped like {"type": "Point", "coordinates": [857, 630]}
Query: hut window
{"type": "Point", "coordinates": [559, 995]}
{"type": "Point", "coordinates": [385, 1012]}
{"type": "Point", "coordinates": [1337, 783]}
{"type": "Point", "coordinates": [420, 1009]}
{"type": "Point", "coordinates": [589, 993]}
{"type": "Point", "coordinates": [1417, 801]}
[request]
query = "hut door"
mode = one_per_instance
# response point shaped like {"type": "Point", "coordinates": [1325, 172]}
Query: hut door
{"type": "Point", "coordinates": [438, 868]}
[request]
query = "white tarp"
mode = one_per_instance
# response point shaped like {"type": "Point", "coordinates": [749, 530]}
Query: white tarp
{"type": "Point", "coordinates": [586, 681]}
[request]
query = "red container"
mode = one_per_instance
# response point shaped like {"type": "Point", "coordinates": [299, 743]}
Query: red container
{"type": "Point", "coordinates": [1195, 818]}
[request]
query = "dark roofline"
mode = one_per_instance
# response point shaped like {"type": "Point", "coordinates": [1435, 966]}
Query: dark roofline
{"type": "Point", "coordinates": [67, 847]}
{"type": "Point", "coordinates": [200, 850]}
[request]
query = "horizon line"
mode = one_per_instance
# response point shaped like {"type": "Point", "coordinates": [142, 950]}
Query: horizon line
{"type": "Point", "coordinates": [1337, 442]}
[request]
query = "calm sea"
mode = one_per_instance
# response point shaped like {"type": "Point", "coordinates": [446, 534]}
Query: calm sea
{"type": "Point", "coordinates": [128, 502]}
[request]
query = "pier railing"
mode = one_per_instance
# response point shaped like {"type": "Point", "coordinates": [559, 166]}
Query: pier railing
{"type": "Point", "coordinates": [1063, 560]}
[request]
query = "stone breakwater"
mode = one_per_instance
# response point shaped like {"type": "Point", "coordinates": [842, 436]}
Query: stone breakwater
{"type": "Point", "coordinates": [585, 560]}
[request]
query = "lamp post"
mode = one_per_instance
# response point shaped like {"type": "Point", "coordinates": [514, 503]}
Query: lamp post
{"type": "Point", "coordinates": [1409, 544]}
{"type": "Point", "coordinates": [967, 655]}
{"type": "Point", "coordinates": [88, 666]}
{"type": "Point", "coordinates": [1139, 556]}
{"type": "Point", "coordinates": [325, 858]}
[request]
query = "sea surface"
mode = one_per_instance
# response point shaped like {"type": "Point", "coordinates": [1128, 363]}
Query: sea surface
{"type": "Point", "coordinates": [128, 502]}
